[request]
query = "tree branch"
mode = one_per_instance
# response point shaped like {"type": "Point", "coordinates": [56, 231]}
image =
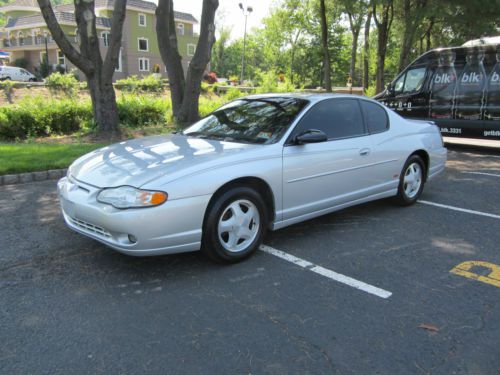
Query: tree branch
{"type": "Point", "coordinates": [84, 64]}
{"type": "Point", "coordinates": [115, 40]}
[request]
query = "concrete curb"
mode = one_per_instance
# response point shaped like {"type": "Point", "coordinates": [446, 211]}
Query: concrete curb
{"type": "Point", "coordinates": [23, 178]}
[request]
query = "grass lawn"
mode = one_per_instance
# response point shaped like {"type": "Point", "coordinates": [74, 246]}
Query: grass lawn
{"type": "Point", "coordinates": [31, 157]}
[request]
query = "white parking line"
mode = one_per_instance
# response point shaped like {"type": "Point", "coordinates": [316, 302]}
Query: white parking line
{"type": "Point", "coordinates": [484, 174]}
{"type": "Point", "coordinates": [460, 209]}
{"type": "Point", "coordinates": [327, 273]}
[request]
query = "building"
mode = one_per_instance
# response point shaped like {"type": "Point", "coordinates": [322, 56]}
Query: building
{"type": "Point", "coordinates": [26, 36]}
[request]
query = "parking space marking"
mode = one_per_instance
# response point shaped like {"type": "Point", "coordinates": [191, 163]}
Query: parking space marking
{"type": "Point", "coordinates": [464, 269]}
{"type": "Point", "coordinates": [483, 174]}
{"type": "Point", "coordinates": [327, 273]}
{"type": "Point", "coordinates": [460, 209]}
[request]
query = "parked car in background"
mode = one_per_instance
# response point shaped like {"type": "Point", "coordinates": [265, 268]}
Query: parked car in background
{"type": "Point", "coordinates": [16, 74]}
{"type": "Point", "coordinates": [257, 163]}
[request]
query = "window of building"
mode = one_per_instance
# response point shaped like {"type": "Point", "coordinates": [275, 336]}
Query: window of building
{"type": "Point", "coordinates": [143, 64]}
{"type": "Point", "coordinates": [142, 19]}
{"type": "Point", "coordinates": [337, 118]}
{"type": "Point", "coordinates": [105, 38]}
{"type": "Point", "coordinates": [61, 60]}
{"type": "Point", "coordinates": [191, 49]}
{"type": "Point", "coordinates": [143, 44]}
{"type": "Point", "coordinates": [180, 28]}
{"type": "Point", "coordinates": [20, 37]}
{"type": "Point", "coordinates": [375, 116]}
{"type": "Point", "coordinates": [119, 67]}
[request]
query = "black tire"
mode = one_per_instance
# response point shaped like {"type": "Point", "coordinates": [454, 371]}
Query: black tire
{"type": "Point", "coordinates": [215, 245]}
{"type": "Point", "coordinates": [32, 80]}
{"type": "Point", "coordinates": [409, 194]}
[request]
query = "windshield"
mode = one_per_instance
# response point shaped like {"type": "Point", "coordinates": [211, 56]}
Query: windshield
{"type": "Point", "coordinates": [262, 120]}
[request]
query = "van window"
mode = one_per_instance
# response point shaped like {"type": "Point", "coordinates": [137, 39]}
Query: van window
{"type": "Point", "coordinates": [414, 80]}
{"type": "Point", "coordinates": [410, 82]}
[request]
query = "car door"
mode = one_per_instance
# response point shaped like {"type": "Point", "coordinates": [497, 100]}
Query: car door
{"type": "Point", "coordinates": [318, 176]}
{"type": "Point", "coordinates": [410, 96]}
{"type": "Point", "coordinates": [385, 155]}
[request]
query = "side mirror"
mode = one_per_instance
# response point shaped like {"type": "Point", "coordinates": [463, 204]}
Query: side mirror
{"type": "Point", "coordinates": [310, 136]}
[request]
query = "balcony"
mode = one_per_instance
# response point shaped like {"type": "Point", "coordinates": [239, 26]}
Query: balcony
{"type": "Point", "coordinates": [32, 42]}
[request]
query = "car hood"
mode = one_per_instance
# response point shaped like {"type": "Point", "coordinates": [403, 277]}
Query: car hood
{"type": "Point", "coordinates": [142, 160]}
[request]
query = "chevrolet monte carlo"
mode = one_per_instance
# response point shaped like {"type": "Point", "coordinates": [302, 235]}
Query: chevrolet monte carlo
{"type": "Point", "coordinates": [257, 163]}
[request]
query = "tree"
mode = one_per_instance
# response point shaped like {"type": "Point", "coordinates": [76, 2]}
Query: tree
{"type": "Point", "coordinates": [220, 55]}
{"type": "Point", "coordinates": [412, 17]}
{"type": "Point", "coordinates": [324, 43]}
{"type": "Point", "coordinates": [185, 92]}
{"type": "Point", "coordinates": [88, 59]}
{"type": "Point", "coordinates": [366, 50]}
{"type": "Point", "coordinates": [356, 11]}
{"type": "Point", "coordinates": [383, 21]}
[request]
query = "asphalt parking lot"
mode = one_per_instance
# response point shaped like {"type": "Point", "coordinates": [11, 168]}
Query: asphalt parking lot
{"type": "Point", "coordinates": [367, 290]}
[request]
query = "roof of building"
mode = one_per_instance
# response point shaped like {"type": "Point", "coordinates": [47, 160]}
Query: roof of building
{"type": "Point", "coordinates": [61, 17]}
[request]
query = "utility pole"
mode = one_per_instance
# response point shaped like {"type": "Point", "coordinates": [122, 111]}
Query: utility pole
{"type": "Point", "coordinates": [246, 11]}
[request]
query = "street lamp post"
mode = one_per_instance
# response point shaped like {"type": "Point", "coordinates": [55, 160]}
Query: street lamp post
{"type": "Point", "coordinates": [246, 11]}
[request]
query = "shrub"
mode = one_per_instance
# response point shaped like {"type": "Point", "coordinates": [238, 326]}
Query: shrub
{"type": "Point", "coordinates": [209, 105]}
{"type": "Point", "coordinates": [65, 83]}
{"type": "Point", "coordinates": [8, 89]}
{"type": "Point", "coordinates": [135, 111]}
{"type": "Point", "coordinates": [150, 83]}
{"type": "Point", "coordinates": [270, 82]}
{"type": "Point", "coordinates": [232, 93]}
{"type": "Point", "coordinates": [21, 62]}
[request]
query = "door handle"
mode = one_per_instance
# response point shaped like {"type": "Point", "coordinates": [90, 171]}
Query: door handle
{"type": "Point", "coordinates": [364, 151]}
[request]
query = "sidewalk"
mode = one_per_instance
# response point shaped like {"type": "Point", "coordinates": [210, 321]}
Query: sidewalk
{"type": "Point", "coordinates": [479, 144]}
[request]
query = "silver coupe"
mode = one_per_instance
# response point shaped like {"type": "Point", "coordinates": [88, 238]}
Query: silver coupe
{"type": "Point", "coordinates": [260, 162]}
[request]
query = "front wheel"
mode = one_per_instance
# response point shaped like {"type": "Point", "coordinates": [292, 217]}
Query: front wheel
{"type": "Point", "coordinates": [234, 225]}
{"type": "Point", "coordinates": [411, 181]}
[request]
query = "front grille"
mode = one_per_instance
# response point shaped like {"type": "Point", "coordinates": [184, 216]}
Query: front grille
{"type": "Point", "coordinates": [90, 227]}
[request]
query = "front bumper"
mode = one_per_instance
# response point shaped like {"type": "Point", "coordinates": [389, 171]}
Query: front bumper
{"type": "Point", "coordinates": [173, 227]}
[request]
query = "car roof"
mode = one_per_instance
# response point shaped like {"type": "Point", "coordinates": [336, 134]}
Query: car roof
{"type": "Point", "coordinates": [312, 97]}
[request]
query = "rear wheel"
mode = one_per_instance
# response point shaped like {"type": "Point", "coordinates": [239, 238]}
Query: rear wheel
{"type": "Point", "coordinates": [411, 181]}
{"type": "Point", "coordinates": [234, 225]}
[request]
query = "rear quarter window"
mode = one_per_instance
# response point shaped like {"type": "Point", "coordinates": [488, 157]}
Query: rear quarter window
{"type": "Point", "coordinates": [375, 117]}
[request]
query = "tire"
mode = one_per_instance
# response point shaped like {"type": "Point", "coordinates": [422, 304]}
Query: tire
{"type": "Point", "coordinates": [411, 181]}
{"type": "Point", "coordinates": [225, 242]}
{"type": "Point", "coordinates": [32, 80]}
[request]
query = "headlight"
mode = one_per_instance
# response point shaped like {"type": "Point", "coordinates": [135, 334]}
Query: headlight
{"type": "Point", "coordinates": [130, 197]}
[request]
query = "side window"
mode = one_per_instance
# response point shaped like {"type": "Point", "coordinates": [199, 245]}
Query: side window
{"type": "Point", "coordinates": [398, 85]}
{"type": "Point", "coordinates": [337, 118]}
{"type": "Point", "coordinates": [414, 80]}
{"type": "Point", "coordinates": [375, 117]}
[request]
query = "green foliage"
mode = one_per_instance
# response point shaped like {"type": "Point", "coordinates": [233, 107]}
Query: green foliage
{"type": "Point", "coordinates": [150, 83]}
{"type": "Point", "coordinates": [208, 105]}
{"type": "Point", "coordinates": [232, 93]}
{"type": "Point", "coordinates": [20, 62]}
{"type": "Point", "coordinates": [135, 110]}
{"type": "Point", "coordinates": [44, 69]}
{"type": "Point", "coordinates": [8, 89]}
{"type": "Point", "coordinates": [269, 82]}
{"type": "Point", "coordinates": [65, 83]}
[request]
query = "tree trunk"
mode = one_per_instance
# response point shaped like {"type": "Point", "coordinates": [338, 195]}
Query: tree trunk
{"type": "Point", "coordinates": [185, 92]}
{"type": "Point", "coordinates": [366, 54]}
{"type": "Point", "coordinates": [412, 16]}
{"type": "Point", "coordinates": [383, 28]}
{"type": "Point", "coordinates": [326, 53]}
{"type": "Point", "coordinates": [104, 105]}
{"type": "Point", "coordinates": [88, 58]}
{"type": "Point", "coordinates": [354, 50]}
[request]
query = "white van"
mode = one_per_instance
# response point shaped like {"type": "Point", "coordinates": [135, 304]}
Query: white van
{"type": "Point", "coordinates": [16, 74]}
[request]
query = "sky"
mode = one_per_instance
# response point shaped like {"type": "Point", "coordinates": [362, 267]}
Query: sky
{"type": "Point", "coordinates": [229, 13]}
